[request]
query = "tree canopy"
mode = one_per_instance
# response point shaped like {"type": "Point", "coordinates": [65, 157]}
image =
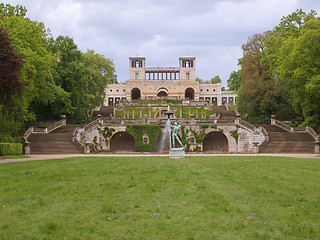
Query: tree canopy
{"type": "Point", "coordinates": [280, 71]}
{"type": "Point", "coordinates": [58, 78]}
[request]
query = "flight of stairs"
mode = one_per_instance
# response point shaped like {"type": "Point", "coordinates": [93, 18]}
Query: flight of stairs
{"type": "Point", "coordinates": [105, 111]}
{"type": "Point", "coordinates": [281, 141]}
{"type": "Point", "coordinates": [227, 115]}
{"type": "Point", "coordinates": [58, 141]}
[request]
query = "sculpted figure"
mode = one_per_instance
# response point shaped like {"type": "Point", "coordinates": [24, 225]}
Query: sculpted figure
{"type": "Point", "coordinates": [175, 127]}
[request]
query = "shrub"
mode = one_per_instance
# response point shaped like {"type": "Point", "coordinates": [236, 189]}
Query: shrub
{"type": "Point", "coordinates": [10, 149]}
{"type": "Point", "coordinates": [138, 131]}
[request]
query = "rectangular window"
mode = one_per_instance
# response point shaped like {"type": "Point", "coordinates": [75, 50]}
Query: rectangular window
{"type": "Point", "coordinates": [214, 100]}
{"type": "Point", "coordinates": [208, 99]}
{"type": "Point", "coordinates": [137, 64]}
{"type": "Point", "coordinates": [201, 98]}
{"type": "Point", "coordinates": [110, 101]}
{"type": "Point", "coordinates": [137, 76]}
{"type": "Point", "coordinates": [231, 100]}
{"type": "Point", "coordinates": [224, 100]}
{"type": "Point", "coordinates": [187, 75]}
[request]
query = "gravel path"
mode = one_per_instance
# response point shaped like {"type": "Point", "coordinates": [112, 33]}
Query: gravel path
{"type": "Point", "coordinates": [46, 157]}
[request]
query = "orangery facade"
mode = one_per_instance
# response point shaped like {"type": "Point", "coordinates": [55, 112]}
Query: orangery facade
{"type": "Point", "coordinates": [176, 83]}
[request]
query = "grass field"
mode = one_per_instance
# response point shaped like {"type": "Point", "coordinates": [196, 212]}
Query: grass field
{"type": "Point", "coordinates": [161, 198]}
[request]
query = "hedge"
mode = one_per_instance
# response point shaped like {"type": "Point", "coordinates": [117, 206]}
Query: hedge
{"type": "Point", "coordinates": [138, 131]}
{"type": "Point", "coordinates": [10, 149]}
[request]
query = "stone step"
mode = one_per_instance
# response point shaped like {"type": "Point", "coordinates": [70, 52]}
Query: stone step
{"type": "Point", "coordinates": [282, 141]}
{"type": "Point", "coordinates": [58, 141]}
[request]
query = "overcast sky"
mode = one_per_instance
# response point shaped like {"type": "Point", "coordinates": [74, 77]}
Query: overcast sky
{"type": "Point", "coordinates": [164, 30]}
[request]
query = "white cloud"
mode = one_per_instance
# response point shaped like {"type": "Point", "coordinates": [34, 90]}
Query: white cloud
{"type": "Point", "coordinates": [162, 31]}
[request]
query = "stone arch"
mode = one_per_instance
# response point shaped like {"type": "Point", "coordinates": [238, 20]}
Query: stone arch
{"type": "Point", "coordinates": [122, 142]}
{"type": "Point", "coordinates": [189, 93]}
{"type": "Point", "coordinates": [162, 92]}
{"type": "Point", "coordinates": [215, 142]}
{"type": "Point", "coordinates": [135, 94]}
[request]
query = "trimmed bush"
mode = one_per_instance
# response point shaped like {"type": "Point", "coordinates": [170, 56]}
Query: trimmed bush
{"type": "Point", "coordinates": [10, 149]}
{"type": "Point", "coordinates": [138, 131]}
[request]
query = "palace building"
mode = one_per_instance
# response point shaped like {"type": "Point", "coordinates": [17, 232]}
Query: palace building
{"type": "Point", "coordinates": [177, 83]}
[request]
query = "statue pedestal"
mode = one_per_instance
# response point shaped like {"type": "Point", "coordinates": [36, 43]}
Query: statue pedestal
{"type": "Point", "coordinates": [176, 153]}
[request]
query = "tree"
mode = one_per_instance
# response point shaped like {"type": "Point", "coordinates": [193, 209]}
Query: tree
{"type": "Point", "coordinates": [83, 76]}
{"type": "Point", "coordinates": [10, 86]}
{"type": "Point", "coordinates": [216, 79]}
{"type": "Point", "coordinates": [101, 73]}
{"type": "Point", "coordinates": [234, 81]}
{"type": "Point", "coordinates": [199, 80]}
{"type": "Point", "coordinates": [8, 10]}
{"type": "Point", "coordinates": [10, 65]}
{"type": "Point", "coordinates": [300, 68]}
{"type": "Point", "coordinates": [293, 54]}
{"type": "Point", "coordinates": [259, 95]}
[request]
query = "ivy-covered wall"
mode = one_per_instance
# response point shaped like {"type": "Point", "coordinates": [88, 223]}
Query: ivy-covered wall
{"type": "Point", "coordinates": [138, 131]}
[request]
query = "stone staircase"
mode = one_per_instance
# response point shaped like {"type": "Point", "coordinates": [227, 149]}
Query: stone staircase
{"type": "Point", "coordinates": [225, 114]}
{"type": "Point", "coordinates": [105, 111]}
{"type": "Point", "coordinates": [282, 141]}
{"type": "Point", "coordinates": [58, 141]}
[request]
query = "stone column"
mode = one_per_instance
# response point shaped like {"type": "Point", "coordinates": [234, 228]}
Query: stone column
{"type": "Point", "coordinates": [100, 119]}
{"type": "Point", "coordinates": [27, 150]}
{"type": "Point", "coordinates": [181, 112]}
{"type": "Point", "coordinates": [86, 148]}
{"type": "Point", "coordinates": [317, 147]}
{"type": "Point", "coordinates": [255, 147]}
{"type": "Point", "coordinates": [64, 119]}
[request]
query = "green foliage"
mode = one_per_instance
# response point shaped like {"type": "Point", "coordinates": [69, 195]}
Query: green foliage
{"type": "Point", "coordinates": [159, 101]}
{"type": "Point", "coordinates": [199, 80]}
{"type": "Point", "coordinates": [234, 81]}
{"type": "Point", "coordinates": [184, 138]}
{"type": "Point", "coordinates": [235, 134]}
{"type": "Point", "coordinates": [82, 76]}
{"type": "Point", "coordinates": [214, 126]}
{"type": "Point", "coordinates": [260, 94]}
{"type": "Point", "coordinates": [204, 126]}
{"type": "Point", "coordinates": [10, 149]}
{"type": "Point", "coordinates": [107, 132]}
{"type": "Point", "coordinates": [138, 131]}
{"type": "Point", "coordinates": [216, 79]}
{"type": "Point", "coordinates": [7, 10]}
{"type": "Point", "coordinates": [199, 136]}
{"type": "Point", "coordinates": [145, 110]}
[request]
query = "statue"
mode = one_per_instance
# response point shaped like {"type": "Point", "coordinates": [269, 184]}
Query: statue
{"type": "Point", "coordinates": [175, 136]}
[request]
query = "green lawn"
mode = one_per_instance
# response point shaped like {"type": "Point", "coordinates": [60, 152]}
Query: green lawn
{"type": "Point", "coordinates": [13, 157]}
{"type": "Point", "coordinates": [161, 198]}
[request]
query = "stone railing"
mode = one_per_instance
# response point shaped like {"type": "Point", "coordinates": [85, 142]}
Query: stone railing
{"type": "Point", "coordinates": [245, 124]}
{"type": "Point", "coordinates": [75, 137]}
{"type": "Point", "coordinates": [263, 132]}
{"type": "Point", "coordinates": [313, 133]}
{"type": "Point", "coordinates": [48, 129]}
{"type": "Point", "coordinates": [281, 125]}
{"type": "Point", "coordinates": [91, 125]}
